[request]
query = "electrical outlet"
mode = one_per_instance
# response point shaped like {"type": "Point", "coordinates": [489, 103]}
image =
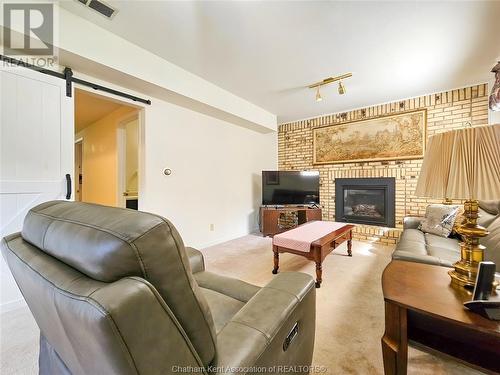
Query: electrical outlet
{"type": "Point", "coordinates": [212, 226]}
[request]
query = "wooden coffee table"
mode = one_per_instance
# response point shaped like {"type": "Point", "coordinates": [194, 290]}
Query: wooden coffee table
{"type": "Point", "coordinates": [422, 307]}
{"type": "Point", "coordinates": [319, 248]}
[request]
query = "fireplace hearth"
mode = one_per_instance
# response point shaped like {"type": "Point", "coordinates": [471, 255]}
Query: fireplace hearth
{"type": "Point", "coordinates": [368, 201]}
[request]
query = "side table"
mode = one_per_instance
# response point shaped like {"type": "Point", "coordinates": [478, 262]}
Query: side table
{"type": "Point", "coordinates": [421, 306]}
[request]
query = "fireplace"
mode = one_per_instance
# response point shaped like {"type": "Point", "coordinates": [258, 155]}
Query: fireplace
{"type": "Point", "coordinates": [368, 201]}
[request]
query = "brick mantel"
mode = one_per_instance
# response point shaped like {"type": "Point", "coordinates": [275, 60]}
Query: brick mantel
{"type": "Point", "coordinates": [445, 111]}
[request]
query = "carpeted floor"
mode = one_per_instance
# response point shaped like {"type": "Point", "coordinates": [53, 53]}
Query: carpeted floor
{"type": "Point", "coordinates": [350, 314]}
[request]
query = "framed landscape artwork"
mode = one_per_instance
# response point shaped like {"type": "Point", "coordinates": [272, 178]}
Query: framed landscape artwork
{"type": "Point", "coordinates": [393, 137]}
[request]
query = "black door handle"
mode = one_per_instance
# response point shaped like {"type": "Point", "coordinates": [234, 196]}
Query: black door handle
{"type": "Point", "coordinates": [68, 186]}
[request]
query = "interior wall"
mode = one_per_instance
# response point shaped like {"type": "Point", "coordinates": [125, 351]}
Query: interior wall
{"type": "Point", "coordinates": [100, 159]}
{"type": "Point", "coordinates": [216, 173]}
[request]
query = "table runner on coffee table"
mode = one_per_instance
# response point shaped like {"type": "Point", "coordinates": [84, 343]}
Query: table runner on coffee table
{"type": "Point", "coordinates": [302, 237]}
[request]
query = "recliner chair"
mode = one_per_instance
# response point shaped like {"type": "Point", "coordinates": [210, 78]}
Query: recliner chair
{"type": "Point", "coordinates": [114, 291]}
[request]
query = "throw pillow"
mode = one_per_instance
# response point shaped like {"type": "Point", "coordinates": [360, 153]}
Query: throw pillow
{"type": "Point", "coordinates": [439, 219]}
{"type": "Point", "coordinates": [459, 220]}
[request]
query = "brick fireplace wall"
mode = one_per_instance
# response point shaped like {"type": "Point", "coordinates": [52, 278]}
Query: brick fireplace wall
{"type": "Point", "coordinates": [448, 110]}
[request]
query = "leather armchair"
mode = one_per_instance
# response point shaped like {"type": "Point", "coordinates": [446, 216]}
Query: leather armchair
{"type": "Point", "coordinates": [115, 291]}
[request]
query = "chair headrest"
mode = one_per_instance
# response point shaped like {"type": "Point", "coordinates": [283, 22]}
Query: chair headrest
{"type": "Point", "coordinates": [96, 240]}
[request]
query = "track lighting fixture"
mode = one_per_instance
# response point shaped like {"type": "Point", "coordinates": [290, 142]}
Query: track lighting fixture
{"type": "Point", "coordinates": [326, 81]}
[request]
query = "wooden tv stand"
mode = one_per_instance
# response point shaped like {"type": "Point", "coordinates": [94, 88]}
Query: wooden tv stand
{"type": "Point", "coordinates": [269, 217]}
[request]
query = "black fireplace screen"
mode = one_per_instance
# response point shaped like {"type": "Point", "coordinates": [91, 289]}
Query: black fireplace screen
{"type": "Point", "coordinates": [365, 201]}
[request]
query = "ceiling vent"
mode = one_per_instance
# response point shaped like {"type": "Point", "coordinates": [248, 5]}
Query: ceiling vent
{"type": "Point", "coordinates": [99, 7]}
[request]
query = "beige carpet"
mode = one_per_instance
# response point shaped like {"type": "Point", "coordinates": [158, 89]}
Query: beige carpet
{"type": "Point", "coordinates": [350, 308]}
{"type": "Point", "coordinates": [350, 316]}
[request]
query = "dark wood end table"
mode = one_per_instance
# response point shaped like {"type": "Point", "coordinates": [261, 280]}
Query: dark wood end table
{"type": "Point", "coordinates": [421, 306]}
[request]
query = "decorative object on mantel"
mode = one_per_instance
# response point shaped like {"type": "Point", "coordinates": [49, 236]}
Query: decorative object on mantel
{"type": "Point", "coordinates": [464, 164]}
{"type": "Point", "coordinates": [495, 91]}
{"type": "Point", "coordinates": [327, 81]}
{"type": "Point", "coordinates": [392, 137]}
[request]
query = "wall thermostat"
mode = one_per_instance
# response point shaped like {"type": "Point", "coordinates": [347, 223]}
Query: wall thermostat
{"type": "Point", "coordinates": [167, 171]}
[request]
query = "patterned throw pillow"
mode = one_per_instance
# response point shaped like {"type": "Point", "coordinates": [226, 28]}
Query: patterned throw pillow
{"type": "Point", "coordinates": [439, 219]}
{"type": "Point", "coordinates": [459, 220]}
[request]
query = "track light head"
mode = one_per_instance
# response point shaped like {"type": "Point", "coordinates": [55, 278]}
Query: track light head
{"type": "Point", "coordinates": [341, 88]}
{"type": "Point", "coordinates": [318, 95]}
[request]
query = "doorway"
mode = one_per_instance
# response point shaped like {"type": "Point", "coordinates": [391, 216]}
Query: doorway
{"type": "Point", "coordinates": [108, 134]}
{"type": "Point", "coordinates": [128, 162]}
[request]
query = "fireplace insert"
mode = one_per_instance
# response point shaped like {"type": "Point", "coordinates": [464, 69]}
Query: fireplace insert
{"type": "Point", "coordinates": [365, 201]}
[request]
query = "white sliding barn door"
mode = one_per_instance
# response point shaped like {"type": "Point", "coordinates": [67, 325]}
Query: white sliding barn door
{"type": "Point", "coordinates": [36, 149]}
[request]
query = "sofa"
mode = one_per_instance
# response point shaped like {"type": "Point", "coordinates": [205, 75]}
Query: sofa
{"type": "Point", "coordinates": [115, 291]}
{"type": "Point", "coordinates": [416, 246]}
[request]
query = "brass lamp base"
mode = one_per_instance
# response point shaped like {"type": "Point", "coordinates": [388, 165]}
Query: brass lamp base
{"type": "Point", "coordinates": [471, 252]}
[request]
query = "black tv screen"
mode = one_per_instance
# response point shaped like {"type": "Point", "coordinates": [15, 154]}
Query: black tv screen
{"type": "Point", "coordinates": [290, 187]}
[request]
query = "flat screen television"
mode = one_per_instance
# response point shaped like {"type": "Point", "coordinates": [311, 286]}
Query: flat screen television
{"type": "Point", "coordinates": [290, 187]}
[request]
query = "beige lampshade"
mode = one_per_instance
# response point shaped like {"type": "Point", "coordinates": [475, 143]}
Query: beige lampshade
{"type": "Point", "coordinates": [462, 164]}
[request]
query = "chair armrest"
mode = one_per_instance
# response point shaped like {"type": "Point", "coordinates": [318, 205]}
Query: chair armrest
{"type": "Point", "coordinates": [412, 222]}
{"type": "Point", "coordinates": [256, 334]}
{"type": "Point", "coordinates": [228, 286]}
{"type": "Point", "coordinates": [196, 260]}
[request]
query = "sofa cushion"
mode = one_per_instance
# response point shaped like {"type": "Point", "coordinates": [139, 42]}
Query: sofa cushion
{"type": "Point", "coordinates": [416, 246]}
{"type": "Point", "coordinates": [488, 212]}
{"type": "Point", "coordinates": [493, 207]}
{"type": "Point", "coordinates": [492, 243]}
{"type": "Point", "coordinates": [449, 244]}
{"type": "Point", "coordinates": [490, 219]}
{"type": "Point", "coordinates": [445, 256]}
{"type": "Point", "coordinates": [412, 241]}
{"type": "Point", "coordinates": [444, 249]}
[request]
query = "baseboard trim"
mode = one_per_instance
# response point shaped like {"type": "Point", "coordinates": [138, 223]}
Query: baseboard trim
{"type": "Point", "coordinates": [226, 238]}
{"type": "Point", "coordinates": [12, 305]}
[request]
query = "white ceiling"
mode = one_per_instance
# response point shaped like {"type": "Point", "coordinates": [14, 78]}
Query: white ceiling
{"type": "Point", "coordinates": [266, 52]}
{"type": "Point", "coordinates": [90, 108]}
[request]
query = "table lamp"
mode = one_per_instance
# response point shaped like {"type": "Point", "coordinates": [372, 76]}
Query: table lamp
{"type": "Point", "coordinates": [464, 164]}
